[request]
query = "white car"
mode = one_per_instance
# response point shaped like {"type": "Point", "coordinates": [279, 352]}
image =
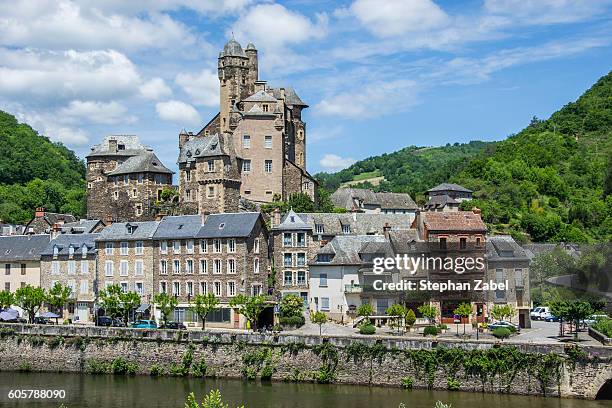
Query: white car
{"type": "Point", "coordinates": [540, 313]}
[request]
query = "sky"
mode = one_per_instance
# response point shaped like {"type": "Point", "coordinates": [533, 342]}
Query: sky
{"type": "Point", "coordinates": [378, 75]}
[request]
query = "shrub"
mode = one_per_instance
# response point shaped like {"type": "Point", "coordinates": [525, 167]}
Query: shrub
{"type": "Point", "coordinates": [157, 371]}
{"type": "Point", "coordinates": [407, 382]}
{"type": "Point", "coordinates": [122, 366]}
{"type": "Point", "coordinates": [604, 326]}
{"type": "Point", "coordinates": [250, 373]}
{"type": "Point", "coordinates": [292, 321]}
{"type": "Point", "coordinates": [25, 367]}
{"type": "Point", "coordinates": [367, 328]}
{"type": "Point", "coordinates": [199, 368]}
{"type": "Point", "coordinates": [6, 332]}
{"type": "Point", "coordinates": [431, 331]}
{"type": "Point", "coordinates": [452, 384]}
{"type": "Point", "coordinates": [512, 329]}
{"type": "Point", "coordinates": [267, 371]}
{"type": "Point", "coordinates": [97, 367]}
{"type": "Point", "coordinates": [55, 342]}
{"type": "Point", "coordinates": [442, 326]}
{"type": "Point", "coordinates": [501, 333]}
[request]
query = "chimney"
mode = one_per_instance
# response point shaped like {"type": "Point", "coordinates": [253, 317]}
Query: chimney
{"type": "Point", "coordinates": [204, 216]}
{"type": "Point", "coordinates": [112, 145]}
{"type": "Point", "coordinates": [40, 212]}
{"type": "Point", "coordinates": [386, 230]}
{"type": "Point", "coordinates": [108, 220]}
{"type": "Point", "coordinates": [159, 216]}
{"type": "Point", "coordinates": [56, 230]}
{"type": "Point", "coordinates": [183, 138]}
{"type": "Point", "coordinates": [276, 217]}
{"type": "Point", "coordinates": [476, 210]}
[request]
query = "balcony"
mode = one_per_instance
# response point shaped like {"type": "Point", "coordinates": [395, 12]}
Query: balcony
{"type": "Point", "coordinates": [353, 289]}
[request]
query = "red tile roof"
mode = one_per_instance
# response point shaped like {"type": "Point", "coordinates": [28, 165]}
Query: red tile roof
{"type": "Point", "coordinates": [453, 221]}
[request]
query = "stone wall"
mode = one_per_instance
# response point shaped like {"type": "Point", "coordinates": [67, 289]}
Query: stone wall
{"type": "Point", "coordinates": [373, 360]}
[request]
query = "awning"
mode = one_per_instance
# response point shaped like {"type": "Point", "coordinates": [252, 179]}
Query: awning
{"type": "Point", "coordinates": [143, 308]}
{"type": "Point", "coordinates": [50, 315]}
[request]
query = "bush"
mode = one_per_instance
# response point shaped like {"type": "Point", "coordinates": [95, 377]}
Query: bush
{"type": "Point", "coordinates": [367, 328]}
{"type": "Point", "coordinates": [292, 321]}
{"type": "Point", "coordinates": [452, 384]}
{"type": "Point", "coordinates": [512, 329]}
{"type": "Point", "coordinates": [199, 368]}
{"type": "Point", "coordinates": [407, 382]}
{"type": "Point", "coordinates": [157, 371]}
{"type": "Point", "coordinates": [501, 333]}
{"type": "Point", "coordinates": [431, 331]}
{"type": "Point", "coordinates": [25, 367]}
{"type": "Point", "coordinates": [442, 326]}
{"type": "Point", "coordinates": [122, 366]}
{"type": "Point", "coordinates": [97, 367]}
{"type": "Point", "coordinates": [604, 326]}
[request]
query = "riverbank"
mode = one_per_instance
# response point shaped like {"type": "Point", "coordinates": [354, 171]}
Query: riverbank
{"type": "Point", "coordinates": [491, 367]}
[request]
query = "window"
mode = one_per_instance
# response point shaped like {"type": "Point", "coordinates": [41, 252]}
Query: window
{"type": "Point", "coordinates": [190, 266]}
{"type": "Point", "coordinates": [287, 259]}
{"type": "Point", "coordinates": [210, 192]}
{"type": "Point", "coordinates": [264, 107]}
{"type": "Point", "coordinates": [116, 195]}
{"type": "Point", "coordinates": [176, 288]}
{"type": "Point", "coordinates": [71, 284]}
{"type": "Point", "coordinates": [268, 142]}
{"type": "Point", "coordinates": [211, 165]}
{"type": "Point", "coordinates": [176, 266]}
{"type": "Point", "coordinates": [139, 288]}
{"type": "Point", "coordinates": [124, 248]}
{"type": "Point", "coordinates": [217, 288]}
{"type": "Point", "coordinates": [217, 246]}
{"type": "Point", "coordinates": [109, 247]}
{"type": "Point", "coordinates": [84, 287]}
{"type": "Point", "coordinates": [203, 288]}
{"type": "Point", "coordinates": [246, 141]}
{"type": "Point", "coordinates": [163, 287]}
{"type": "Point", "coordinates": [231, 266]}
{"type": "Point", "coordinates": [124, 287]}
{"type": "Point", "coordinates": [138, 267]}
{"type": "Point", "coordinates": [324, 257]}
{"type": "Point", "coordinates": [163, 247]}
{"type": "Point", "coordinates": [189, 246]}
{"type": "Point", "coordinates": [256, 246]}
{"type": "Point", "coordinates": [231, 288]}
{"type": "Point", "coordinates": [7, 286]}
{"type": "Point", "coordinates": [70, 251]}
{"type": "Point", "coordinates": [346, 229]}
{"type": "Point", "coordinates": [256, 265]}
{"type": "Point", "coordinates": [189, 288]}
{"type": "Point", "coordinates": [187, 175]}
{"type": "Point", "coordinates": [231, 246]}
{"type": "Point", "coordinates": [256, 290]}
{"type": "Point", "coordinates": [287, 239]}
{"type": "Point", "coordinates": [176, 247]}
{"type": "Point", "coordinates": [216, 267]}
{"type": "Point", "coordinates": [478, 241]}
{"type": "Point", "coordinates": [499, 278]}
{"type": "Point", "coordinates": [55, 251]}
{"type": "Point", "coordinates": [301, 277]}
{"type": "Point", "coordinates": [442, 243]}
{"type": "Point", "coordinates": [203, 267]}
{"type": "Point", "coordinates": [518, 277]}
{"type": "Point", "coordinates": [140, 178]}
{"type": "Point", "coordinates": [462, 243]}
{"type": "Point", "coordinates": [319, 228]}
{"type": "Point", "coordinates": [301, 259]}
{"type": "Point", "coordinates": [55, 267]}
{"type": "Point", "coordinates": [71, 267]}
{"type": "Point", "coordinates": [268, 166]}
{"type": "Point", "coordinates": [7, 269]}
{"type": "Point", "coordinates": [323, 280]}
{"type": "Point", "coordinates": [84, 267]}
{"type": "Point", "coordinates": [325, 304]}
{"type": "Point", "coordinates": [139, 247]}
{"type": "Point", "coordinates": [301, 239]}
{"type": "Point", "coordinates": [246, 165]}
{"type": "Point", "coordinates": [84, 251]}
{"type": "Point", "coordinates": [134, 193]}
{"type": "Point", "coordinates": [163, 267]}
{"type": "Point", "coordinates": [287, 278]}
{"type": "Point", "coordinates": [109, 268]}
{"type": "Point", "coordinates": [203, 246]}
{"type": "Point", "coordinates": [126, 179]}
{"type": "Point", "coordinates": [123, 268]}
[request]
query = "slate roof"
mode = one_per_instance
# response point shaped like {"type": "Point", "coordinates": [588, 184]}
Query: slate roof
{"type": "Point", "coordinates": [81, 226]}
{"type": "Point", "coordinates": [396, 201]}
{"type": "Point", "coordinates": [504, 247]}
{"type": "Point", "coordinates": [449, 187]}
{"type": "Point", "coordinates": [22, 247]}
{"type": "Point", "coordinates": [146, 162]}
{"type": "Point", "coordinates": [260, 96]}
{"type": "Point", "coordinates": [119, 231]}
{"type": "Point", "coordinates": [406, 241]}
{"type": "Point", "coordinates": [439, 201]}
{"type": "Point", "coordinates": [232, 48]}
{"type": "Point", "coordinates": [180, 226]}
{"type": "Point", "coordinates": [355, 198]}
{"type": "Point", "coordinates": [203, 146]}
{"type": "Point", "coordinates": [294, 222]}
{"type": "Point", "coordinates": [131, 142]}
{"type": "Point", "coordinates": [545, 248]}
{"type": "Point", "coordinates": [291, 97]}
{"type": "Point", "coordinates": [65, 241]}
{"type": "Point", "coordinates": [453, 221]}
{"type": "Point", "coordinates": [228, 225]}
{"type": "Point", "coordinates": [346, 249]}
{"type": "Point", "coordinates": [359, 223]}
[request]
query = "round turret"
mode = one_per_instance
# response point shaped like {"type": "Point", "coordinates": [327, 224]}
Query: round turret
{"type": "Point", "coordinates": [251, 47]}
{"type": "Point", "coordinates": [233, 48]}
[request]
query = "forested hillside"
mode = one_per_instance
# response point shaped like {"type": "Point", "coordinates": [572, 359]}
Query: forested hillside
{"type": "Point", "coordinates": [36, 172]}
{"type": "Point", "coordinates": [550, 182]}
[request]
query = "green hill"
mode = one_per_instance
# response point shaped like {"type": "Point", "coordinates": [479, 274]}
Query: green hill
{"type": "Point", "coordinates": [550, 182]}
{"type": "Point", "coordinates": [36, 172]}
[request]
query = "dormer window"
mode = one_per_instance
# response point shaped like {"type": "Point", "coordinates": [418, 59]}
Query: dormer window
{"type": "Point", "coordinates": [130, 228]}
{"type": "Point", "coordinates": [70, 250]}
{"type": "Point", "coordinates": [222, 225]}
{"type": "Point", "coordinates": [346, 229]}
{"type": "Point", "coordinates": [55, 250]}
{"type": "Point", "coordinates": [319, 228]}
{"type": "Point", "coordinates": [121, 146]}
{"type": "Point", "coordinates": [84, 251]}
{"type": "Point", "coordinates": [264, 107]}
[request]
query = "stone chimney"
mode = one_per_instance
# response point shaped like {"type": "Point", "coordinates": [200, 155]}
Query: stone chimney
{"type": "Point", "coordinates": [386, 230]}
{"type": "Point", "coordinates": [204, 216]}
{"type": "Point", "coordinates": [276, 217]}
{"type": "Point", "coordinates": [112, 145]}
{"type": "Point", "coordinates": [476, 210]}
{"type": "Point", "coordinates": [108, 220]}
{"type": "Point", "coordinates": [56, 230]}
{"type": "Point", "coordinates": [40, 212]}
{"type": "Point", "coordinates": [159, 216]}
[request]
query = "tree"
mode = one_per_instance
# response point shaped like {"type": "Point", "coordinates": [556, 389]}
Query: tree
{"type": "Point", "coordinates": [203, 305]}
{"type": "Point", "coordinates": [366, 310]}
{"type": "Point", "coordinates": [558, 308]}
{"type": "Point", "coordinates": [463, 310]}
{"type": "Point", "coordinates": [166, 305]}
{"type": "Point", "coordinates": [250, 307]}
{"type": "Point", "coordinates": [577, 311]}
{"type": "Point", "coordinates": [429, 311]}
{"type": "Point", "coordinates": [410, 318]}
{"type": "Point", "coordinates": [501, 312]}
{"type": "Point", "coordinates": [212, 400]}
{"type": "Point", "coordinates": [291, 305]}
{"type": "Point", "coordinates": [6, 299]}
{"type": "Point", "coordinates": [319, 318]}
{"type": "Point", "coordinates": [397, 311]}
{"type": "Point", "coordinates": [58, 296]}
{"type": "Point", "coordinates": [30, 299]}
{"type": "Point", "coordinates": [129, 301]}
{"type": "Point", "coordinates": [110, 301]}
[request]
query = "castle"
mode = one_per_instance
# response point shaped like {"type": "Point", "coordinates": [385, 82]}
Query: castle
{"type": "Point", "coordinates": [253, 150]}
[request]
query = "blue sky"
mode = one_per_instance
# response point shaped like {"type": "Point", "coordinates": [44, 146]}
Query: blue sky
{"type": "Point", "coordinates": [378, 76]}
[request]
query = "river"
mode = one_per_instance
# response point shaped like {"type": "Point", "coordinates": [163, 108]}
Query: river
{"type": "Point", "coordinates": [88, 391]}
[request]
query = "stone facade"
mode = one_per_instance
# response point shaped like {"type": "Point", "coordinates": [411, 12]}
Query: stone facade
{"type": "Point", "coordinates": [20, 260]}
{"type": "Point", "coordinates": [44, 221]}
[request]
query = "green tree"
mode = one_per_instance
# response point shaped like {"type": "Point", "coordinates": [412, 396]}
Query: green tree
{"type": "Point", "coordinates": [203, 305]}
{"type": "Point", "coordinates": [166, 305]}
{"type": "Point", "coordinates": [291, 305]}
{"type": "Point", "coordinates": [30, 299]}
{"type": "Point", "coordinates": [58, 296]}
{"type": "Point", "coordinates": [110, 301]}
{"type": "Point", "coordinates": [410, 318]}
{"type": "Point", "coordinates": [578, 311]}
{"type": "Point", "coordinates": [6, 299]}
{"type": "Point", "coordinates": [212, 400]}
{"type": "Point", "coordinates": [129, 302]}
{"type": "Point", "coordinates": [503, 312]}
{"type": "Point", "coordinates": [319, 318]}
{"type": "Point", "coordinates": [250, 307]}
{"type": "Point", "coordinates": [558, 308]}
{"type": "Point", "coordinates": [429, 311]}
{"type": "Point", "coordinates": [463, 310]}
{"type": "Point", "coordinates": [398, 311]}
{"type": "Point", "coordinates": [366, 310]}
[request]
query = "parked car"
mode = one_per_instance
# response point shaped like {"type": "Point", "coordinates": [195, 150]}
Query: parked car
{"type": "Point", "coordinates": [144, 324]}
{"type": "Point", "coordinates": [540, 313]}
{"type": "Point", "coordinates": [173, 326]}
{"type": "Point", "coordinates": [42, 320]}
{"type": "Point", "coordinates": [107, 321]}
{"type": "Point", "coordinates": [508, 325]}
{"type": "Point", "coordinates": [593, 319]}
{"type": "Point", "coordinates": [552, 318]}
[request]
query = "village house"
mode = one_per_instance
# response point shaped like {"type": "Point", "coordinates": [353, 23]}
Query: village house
{"type": "Point", "coordinates": [20, 260]}
{"type": "Point", "coordinates": [446, 197]}
{"type": "Point", "coordinates": [368, 201]}
{"type": "Point", "coordinates": [43, 221]}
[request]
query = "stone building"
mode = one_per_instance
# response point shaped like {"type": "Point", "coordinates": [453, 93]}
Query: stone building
{"type": "Point", "coordinates": [20, 260]}
{"type": "Point", "coordinates": [224, 254]}
{"type": "Point", "coordinates": [124, 180]}
{"type": "Point", "coordinates": [447, 197]}
{"type": "Point", "coordinates": [265, 127]}
{"type": "Point", "coordinates": [70, 259]}
{"type": "Point", "coordinates": [43, 221]}
{"type": "Point", "coordinates": [367, 201]}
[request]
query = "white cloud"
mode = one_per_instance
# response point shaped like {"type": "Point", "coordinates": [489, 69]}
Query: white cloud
{"type": "Point", "coordinates": [155, 89]}
{"type": "Point", "coordinates": [110, 113]}
{"type": "Point", "coordinates": [396, 17]}
{"type": "Point", "coordinates": [325, 133]}
{"type": "Point", "coordinates": [143, 6]}
{"type": "Point", "coordinates": [177, 112]}
{"type": "Point", "coordinates": [546, 11]}
{"type": "Point", "coordinates": [333, 162]}
{"type": "Point", "coordinates": [203, 87]}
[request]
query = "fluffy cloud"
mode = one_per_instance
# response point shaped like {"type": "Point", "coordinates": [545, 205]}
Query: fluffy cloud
{"type": "Point", "coordinates": [396, 17]}
{"type": "Point", "coordinates": [546, 11]}
{"type": "Point", "coordinates": [178, 112]}
{"type": "Point", "coordinates": [203, 87]}
{"type": "Point", "coordinates": [333, 162]}
{"type": "Point", "coordinates": [110, 113]}
{"type": "Point", "coordinates": [143, 6]}
{"type": "Point", "coordinates": [155, 89]}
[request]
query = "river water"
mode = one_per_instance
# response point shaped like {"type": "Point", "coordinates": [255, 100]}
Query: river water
{"type": "Point", "coordinates": [88, 391]}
